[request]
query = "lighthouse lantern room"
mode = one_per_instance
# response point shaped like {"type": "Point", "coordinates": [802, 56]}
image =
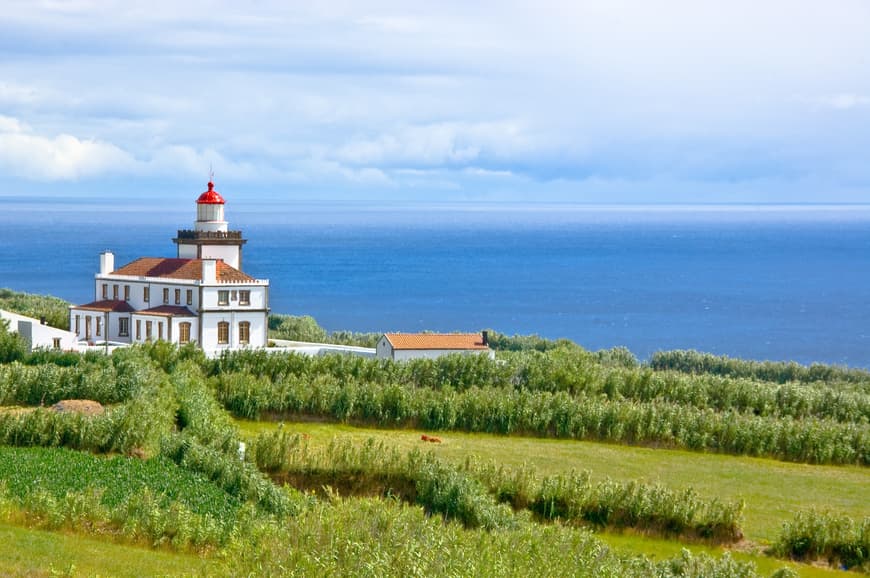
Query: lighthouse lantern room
{"type": "Point", "coordinates": [210, 237]}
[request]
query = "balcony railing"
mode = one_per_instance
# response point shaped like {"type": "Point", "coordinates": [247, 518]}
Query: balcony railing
{"type": "Point", "coordinates": [212, 235]}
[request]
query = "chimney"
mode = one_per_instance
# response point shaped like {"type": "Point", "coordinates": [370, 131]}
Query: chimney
{"type": "Point", "coordinates": [485, 335]}
{"type": "Point", "coordinates": [209, 271]}
{"type": "Point", "coordinates": [42, 320]}
{"type": "Point", "coordinates": [107, 262]}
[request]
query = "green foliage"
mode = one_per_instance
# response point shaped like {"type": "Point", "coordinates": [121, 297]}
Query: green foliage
{"type": "Point", "coordinates": [690, 361]}
{"type": "Point", "coordinates": [501, 342]}
{"type": "Point", "coordinates": [237, 478]}
{"type": "Point", "coordinates": [306, 328]}
{"type": "Point", "coordinates": [837, 539]}
{"type": "Point", "coordinates": [508, 411]}
{"type": "Point", "coordinates": [152, 499]}
{"type": "Point", "coordinates": [59, 471]}
{"type": "Point", "coordinates": [468, 493]}
{"type": "Point", "coordinates": [303, 328]}
{"type": "Point", "coordinates": [55, 311]}
{"type": "Point", "coordinates": [610, 374]}
{"type": "Point", "coordinates": [370, 468]}
{"type": "Point", "coordinates": [375, 537]}
{"type": "Point", "coordinates": [12, 346]}
{"type": "Point", "coordinates": [574, 497]}
{"type": "Point", "coordinates": [199, 414]}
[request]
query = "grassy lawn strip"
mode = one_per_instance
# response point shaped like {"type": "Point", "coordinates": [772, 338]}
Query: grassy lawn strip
{"type": "Point", "coordinates": [59, 471]}
{"type": "Point", "coordinates": [773, 490]}
{"type": "Point", "coordinates": [28, 552]}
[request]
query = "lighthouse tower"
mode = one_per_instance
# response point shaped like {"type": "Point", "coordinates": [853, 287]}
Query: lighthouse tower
{"type": "Point", "coordinates": [210, 237]}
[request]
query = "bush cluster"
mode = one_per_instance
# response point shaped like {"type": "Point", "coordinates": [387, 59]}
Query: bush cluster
{"type": "Point", "coordinates": [837, 539]}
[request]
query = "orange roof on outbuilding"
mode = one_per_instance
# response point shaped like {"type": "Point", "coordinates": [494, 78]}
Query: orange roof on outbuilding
{"type": "Point", "coordinates": [457, 341]}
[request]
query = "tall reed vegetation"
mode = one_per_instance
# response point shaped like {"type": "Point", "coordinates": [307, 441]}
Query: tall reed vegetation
{"type": "Point", "coordinates": [461, 492]}
{"type": "Point", "coordinates": [834, 538]}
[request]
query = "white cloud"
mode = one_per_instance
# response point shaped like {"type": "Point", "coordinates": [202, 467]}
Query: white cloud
{"type": "Point", "coordinates": [61, 157]}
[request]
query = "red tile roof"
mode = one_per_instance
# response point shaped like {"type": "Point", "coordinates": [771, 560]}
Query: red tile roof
{"type": "Point", "coordinates": [179, 269]}
{"type": "Point", "coordinates": [458, 341]}
{"type": "Point", "coordinates": [113, 305]}
{"type": "Point", "coordinates": [168, 311]}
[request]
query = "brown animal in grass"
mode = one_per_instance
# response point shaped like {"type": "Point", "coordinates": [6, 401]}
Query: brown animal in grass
{"type": "Point", "coordinates": [432, 439]}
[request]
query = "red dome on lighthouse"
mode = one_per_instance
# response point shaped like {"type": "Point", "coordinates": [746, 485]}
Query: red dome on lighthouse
{"type": "Point", "coordinates": [210, 197]}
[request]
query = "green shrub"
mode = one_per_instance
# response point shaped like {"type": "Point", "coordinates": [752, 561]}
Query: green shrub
{"type": "Point", "coordinates": [838, 539]}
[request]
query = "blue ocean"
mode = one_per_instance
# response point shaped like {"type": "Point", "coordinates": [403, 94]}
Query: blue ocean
{"type": "Point", "coordinates": [760, 282]}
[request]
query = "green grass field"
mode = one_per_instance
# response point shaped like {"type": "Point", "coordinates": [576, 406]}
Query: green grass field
{"type": "Point", "coordinates": [28, 552]}
{"type": "Point", "coordinates": [773, 490]}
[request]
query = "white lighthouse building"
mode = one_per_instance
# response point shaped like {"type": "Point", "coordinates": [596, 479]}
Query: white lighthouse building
{"type": "Point", "coordinates": [200, 296]}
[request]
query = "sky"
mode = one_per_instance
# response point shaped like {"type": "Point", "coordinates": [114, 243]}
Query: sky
{"type": "Point", "coordinates": [611, 101]}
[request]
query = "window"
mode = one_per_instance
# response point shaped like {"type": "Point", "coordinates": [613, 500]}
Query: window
{"type": "Point", "coordinates": [146, 294]}
{"type": "Point", "coordinates": [190, 297]}
{"type": "Point", "coordinates": [87, 326]}
{"type": "Point", "coordinates": [78, 324]}
{"type": "Point", "coordinates": [105, 291]}
{"type": "Point", "coordinates": [223, 332]}
{"type": "Point", "coordinates": [148, 330]}
{"type": "Point", "coordinates": [223, 297]}
{"type": "Point", "coordinates": [244, 332]}
{"type": "Point", "coordinates": [178, 296]}
{"type": "Point", "coordinates": [138, 330]}
{"type": "Point", "coordinates": [123, 326]}
{"type": "Point", "coordinates": [126, 292]}
{"type": "Point", "coordinates": [234, 296]}
{"type": "Point", "coordinates": [56, 342]}
{"type": "Point", "coordinates": [184, 332]}
{"type": "Point", "coordinates": [244, 297]}
{"type": "Point", "coordinates": [99, 324]}
{"type": "Point", "coordinates": [159, 330]}
{"type": "Point", "coordinates": [166, 294]}
{"type": "Point", "coordinates": [115, 292]}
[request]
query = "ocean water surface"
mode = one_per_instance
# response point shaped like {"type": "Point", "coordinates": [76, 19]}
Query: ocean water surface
{"type": "Point", "coordinates": [761, 282]}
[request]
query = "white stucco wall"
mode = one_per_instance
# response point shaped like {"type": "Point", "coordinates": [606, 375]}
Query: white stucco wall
{"type": "Point", "coordinates": [186, 251]}
{"type": "Point", "coordinates": [384, 350]}
{"type": "Point", "coordinates": [36, 334]}
{"type": "Point", "coordinates": [137, 291]}
{"type": "Point", "coordinates": [211, 294]}
{"type": "Point", "coordinates": [210, 321]}
{"type": "Point", "coordinates": [404, 354]}
{"type": "Point", "coordinates": [228, 253]}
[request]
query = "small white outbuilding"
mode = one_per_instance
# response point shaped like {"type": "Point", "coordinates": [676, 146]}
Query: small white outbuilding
{"type": "Point", "coordinates": [37, 334]}
{"type": "Point", "coordinates": [402, 346]}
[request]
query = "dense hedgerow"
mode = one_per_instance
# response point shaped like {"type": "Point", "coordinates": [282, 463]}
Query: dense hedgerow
{"type": "Point", "coordinates": [458, 492]}
{"type": "Point", "coordinates": [636, 505]}
{"type": "Point", "coordinates": [495, 410]}
{"type": "Point", "coordinates": [690, 361]}
{"type": "Point", "coordinates": [371, 468]}
{"type": "Point", "coordinates": [566, 369]}
{"type": "Point", "coordinates": [837, 539]}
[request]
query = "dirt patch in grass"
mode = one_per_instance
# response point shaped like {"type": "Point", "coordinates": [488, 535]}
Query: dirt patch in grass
{"type": "Point", "coordinates": [82, 406]}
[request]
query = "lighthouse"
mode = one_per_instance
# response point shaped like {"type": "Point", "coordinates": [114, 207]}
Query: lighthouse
{"type": "Point", "coordinates": [210, 237]}
{"type": "Point", "coordinates": [201, 296]}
